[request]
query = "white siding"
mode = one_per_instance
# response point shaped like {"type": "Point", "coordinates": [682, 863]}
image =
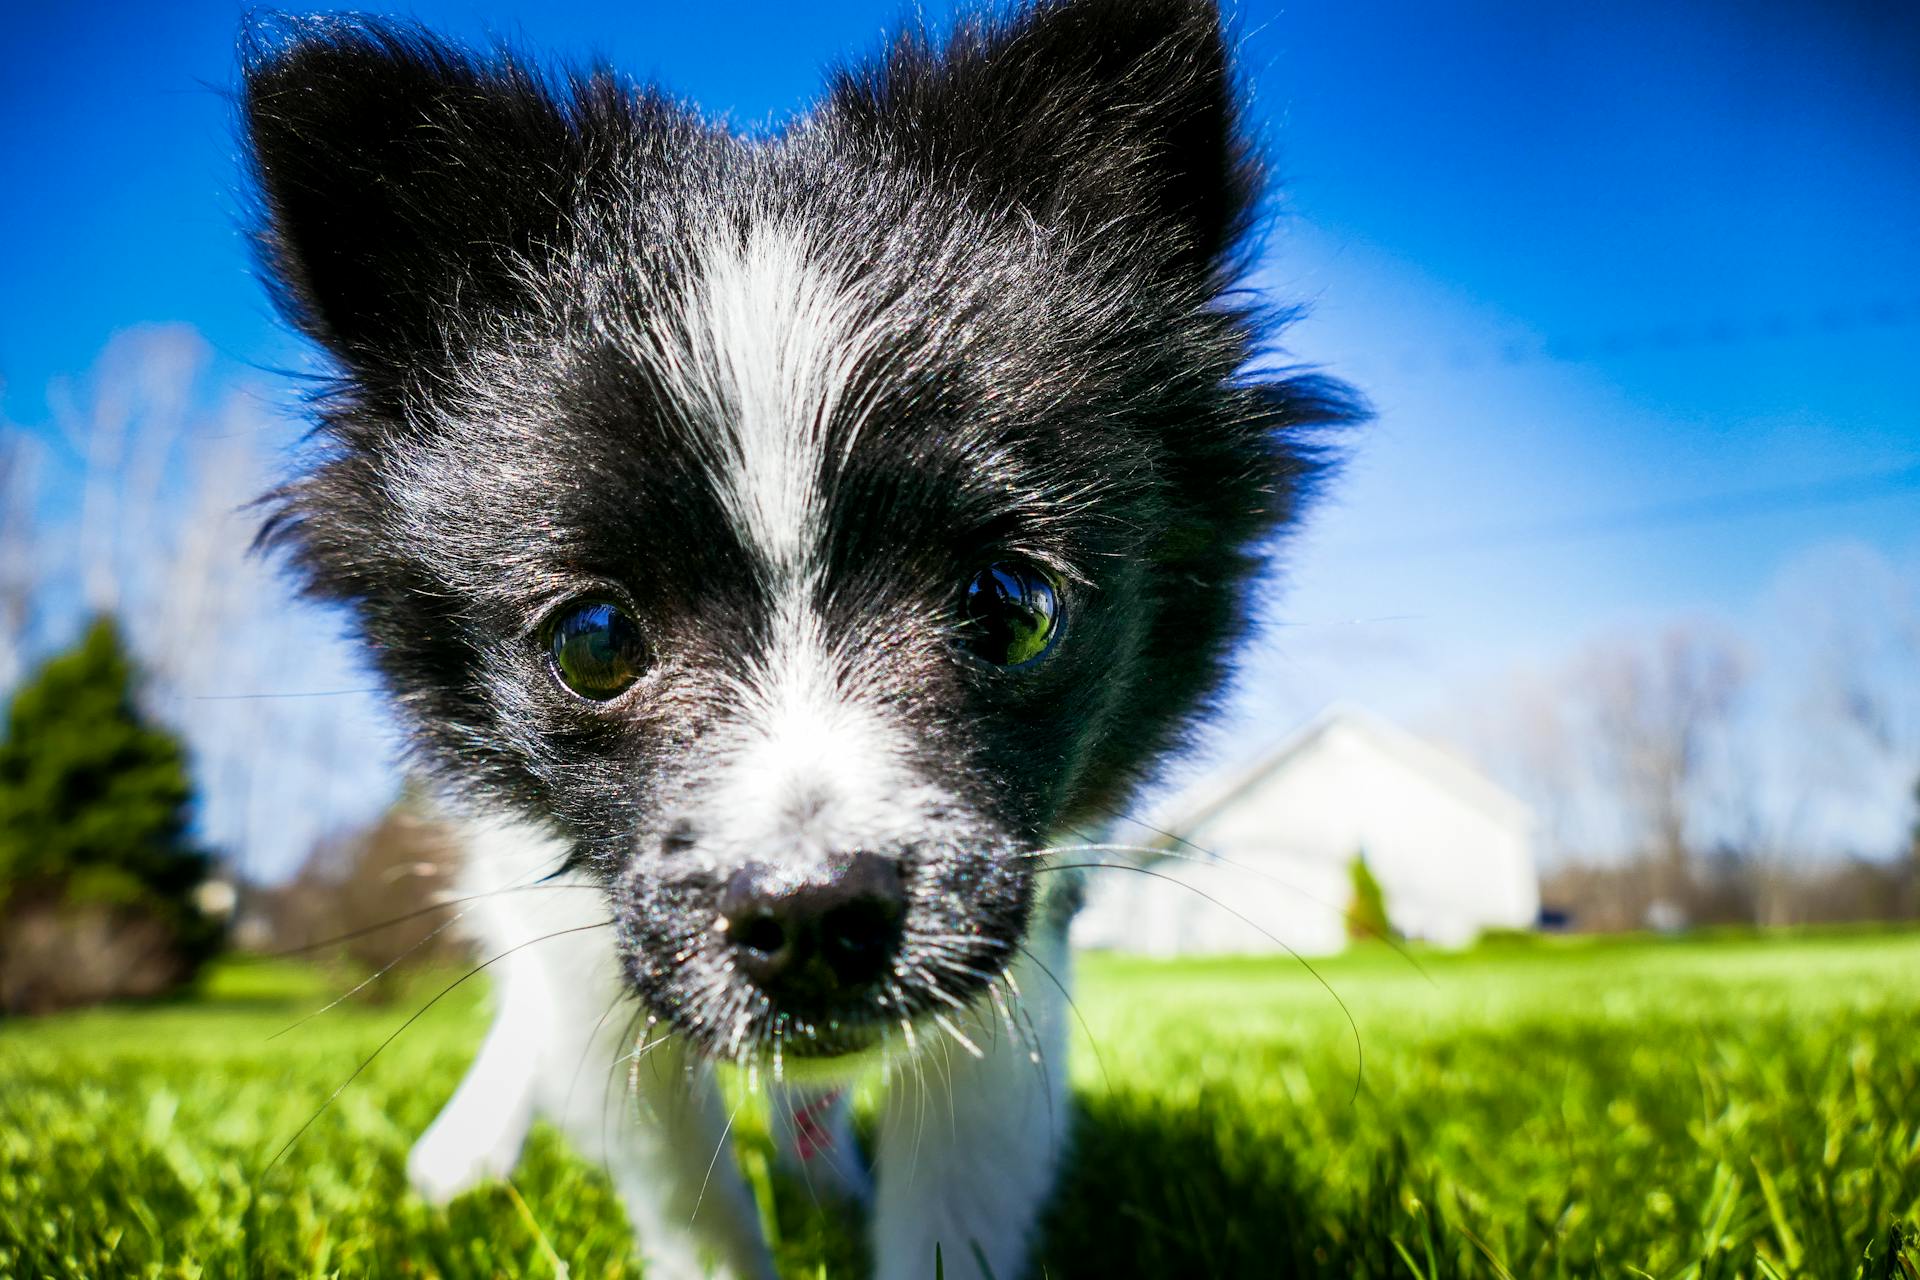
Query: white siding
{"type": "Point", "coordinates": [1261, 903]}
{"type": "Point", "coordinates": [1452, 853]}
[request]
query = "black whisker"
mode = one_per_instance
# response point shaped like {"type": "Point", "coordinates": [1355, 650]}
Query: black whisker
{"type": "Point", "coordinates": [417, 1015]}
{"type": "Point", "coordinates": [1067, 995]}
{"type": "Point", "coordinates": [606, 1089]}
{"type": "Point", "coordinates": [369, 980]}
{"type": "Point", "coordinates": [443, 905]}
{"type": "Point", "coordinates": [1359, 1054]}
{"type": "Point", "coordinates": [718, 1148]}
{"type": "Point", "coordinates": [1037, 1054]}
{"type": "Point", "coordinates": [1208, 856]}
{"type": "Point", "coordinates": [586, 1052]}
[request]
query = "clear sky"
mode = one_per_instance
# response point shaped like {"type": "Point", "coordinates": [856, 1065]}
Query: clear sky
{"type": "Point", "coordinates": [1635, 288]}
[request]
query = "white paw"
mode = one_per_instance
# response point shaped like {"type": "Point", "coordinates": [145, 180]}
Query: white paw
{"type": "Point", "coordinates": [685, 1265]}
{"type": "Point", "coordinates": [441, 1166]}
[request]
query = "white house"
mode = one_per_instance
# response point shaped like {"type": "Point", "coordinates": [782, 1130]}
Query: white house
{"type": "Point", "coordinates": [1273, 845]}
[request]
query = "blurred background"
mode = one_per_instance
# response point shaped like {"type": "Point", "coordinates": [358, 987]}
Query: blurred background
{"type": "Point", "coordinates": [1615, 606]}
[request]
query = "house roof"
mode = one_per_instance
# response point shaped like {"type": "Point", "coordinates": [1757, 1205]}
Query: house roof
{"type": "Point", "coordinates": [1210, 795]}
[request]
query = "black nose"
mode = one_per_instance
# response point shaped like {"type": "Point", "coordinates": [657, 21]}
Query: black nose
{"type": "Point", "coordinates": [810, 937]}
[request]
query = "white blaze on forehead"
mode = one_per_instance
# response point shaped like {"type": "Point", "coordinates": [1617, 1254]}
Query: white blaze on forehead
{"type": "Point", "coordinates": [771, 336]}
{"type": "Point", "coordinates": [815, 767]}
{"type": "Point", "coordinates": [774, 338]}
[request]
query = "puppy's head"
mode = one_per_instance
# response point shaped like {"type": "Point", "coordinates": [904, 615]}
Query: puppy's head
{"type": "Point", "coordinates": [799, 526]}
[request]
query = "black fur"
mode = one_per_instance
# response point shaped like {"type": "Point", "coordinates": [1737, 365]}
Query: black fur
{"type": "Point", "coordinates": [1047, 213]}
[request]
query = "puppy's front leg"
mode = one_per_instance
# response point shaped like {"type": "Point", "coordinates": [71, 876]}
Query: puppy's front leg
{"type": "Point", "coordinates": [663, 1134]}
{"type": "Point", "coordinates": [969, 1145]}
{"type": "Point", "coordinates": [478, 1134]}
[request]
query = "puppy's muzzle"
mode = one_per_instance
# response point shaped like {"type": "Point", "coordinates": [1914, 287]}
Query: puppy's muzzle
{"type": "Point", "coordinates": [819, 939]}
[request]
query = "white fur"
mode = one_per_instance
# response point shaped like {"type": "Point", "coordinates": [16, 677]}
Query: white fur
{"type": "Point", "coordinates": [771, 338]}
{"type": "Point", "coordinates": [812, 764]}
{"type": "Point", "coordinates": [968, 1144]}
{"type": "Point", "coordinates": [557, 1050]}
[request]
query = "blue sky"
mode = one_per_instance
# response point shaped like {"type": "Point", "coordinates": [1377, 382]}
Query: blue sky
{"type": "Point", "coordinates": [1588, 261]}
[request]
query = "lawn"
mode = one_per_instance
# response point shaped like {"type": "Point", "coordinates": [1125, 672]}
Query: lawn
{"type": "Point", "coordinates": [1740, 1106]}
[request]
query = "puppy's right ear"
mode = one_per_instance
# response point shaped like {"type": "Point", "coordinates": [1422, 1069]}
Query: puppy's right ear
{"type": "Point", "coordinates": [398, 178]}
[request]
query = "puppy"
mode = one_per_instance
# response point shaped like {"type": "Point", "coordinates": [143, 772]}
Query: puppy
{"type": "Point", "coordinates": [769, 541]}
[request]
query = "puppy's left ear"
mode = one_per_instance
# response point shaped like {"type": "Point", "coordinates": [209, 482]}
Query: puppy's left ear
{"type": "Point", "coordinates": [401, 181]}
{"type": "Point", "coordinates": [1101, 116]}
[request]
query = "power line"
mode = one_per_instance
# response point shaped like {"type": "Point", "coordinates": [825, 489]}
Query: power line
{"type": "Point", "coordinates": [1729, 506]}
{"type": "Point", "coordinates": [1673, 335]}
{"type": "Point", "coordinates": [298, 693]}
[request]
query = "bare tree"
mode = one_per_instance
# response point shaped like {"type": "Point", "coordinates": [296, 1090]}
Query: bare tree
{"type": "Point", "coordinates": [152, 471]}
{"type": "Point", "coordinates": [368, 900]}
{"type": "Point", "coordinates": [20, 459]}
{"type": "Point", "coordinates": [1852, 622]}
{"type": "Point", "coordinates": [1861, 617]}
{"type": "Point", "coordinates": [1775, 789]}
{"type": "Point", "coordinates": [1654, 713]}
{"type": "Point", "coordinates": [1524, 730]}
{"type": "Point", "coordinates": [1912, 904]}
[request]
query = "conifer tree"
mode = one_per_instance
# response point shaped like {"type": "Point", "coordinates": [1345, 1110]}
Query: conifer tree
{"type": "Point", "coordinates": [1367, 913]}
{"type": "Point", "coordinates": [95, 806]}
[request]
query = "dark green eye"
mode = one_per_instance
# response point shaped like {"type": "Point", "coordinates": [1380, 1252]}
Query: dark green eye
{"type": "Point", "coordinates": [597, 650]}
{"type": "Point", "coordinates": [1010, 614]}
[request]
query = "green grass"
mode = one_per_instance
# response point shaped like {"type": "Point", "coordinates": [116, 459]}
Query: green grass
{"type": "Point", "coordinates": [1733, 1107]}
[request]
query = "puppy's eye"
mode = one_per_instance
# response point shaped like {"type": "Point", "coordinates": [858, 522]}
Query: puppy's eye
{"type": "Point", "coordinates": [596, 649]}
{"type": "Point", "coordinates": [1010, 614]}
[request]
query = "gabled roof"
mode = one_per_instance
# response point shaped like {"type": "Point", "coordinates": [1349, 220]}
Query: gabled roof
{"type": "Point", "coordinates": [1446, 770]}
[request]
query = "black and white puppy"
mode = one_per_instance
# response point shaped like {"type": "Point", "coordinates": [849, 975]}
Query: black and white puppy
{"type": "Point", "coordinates": [780, 536]}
